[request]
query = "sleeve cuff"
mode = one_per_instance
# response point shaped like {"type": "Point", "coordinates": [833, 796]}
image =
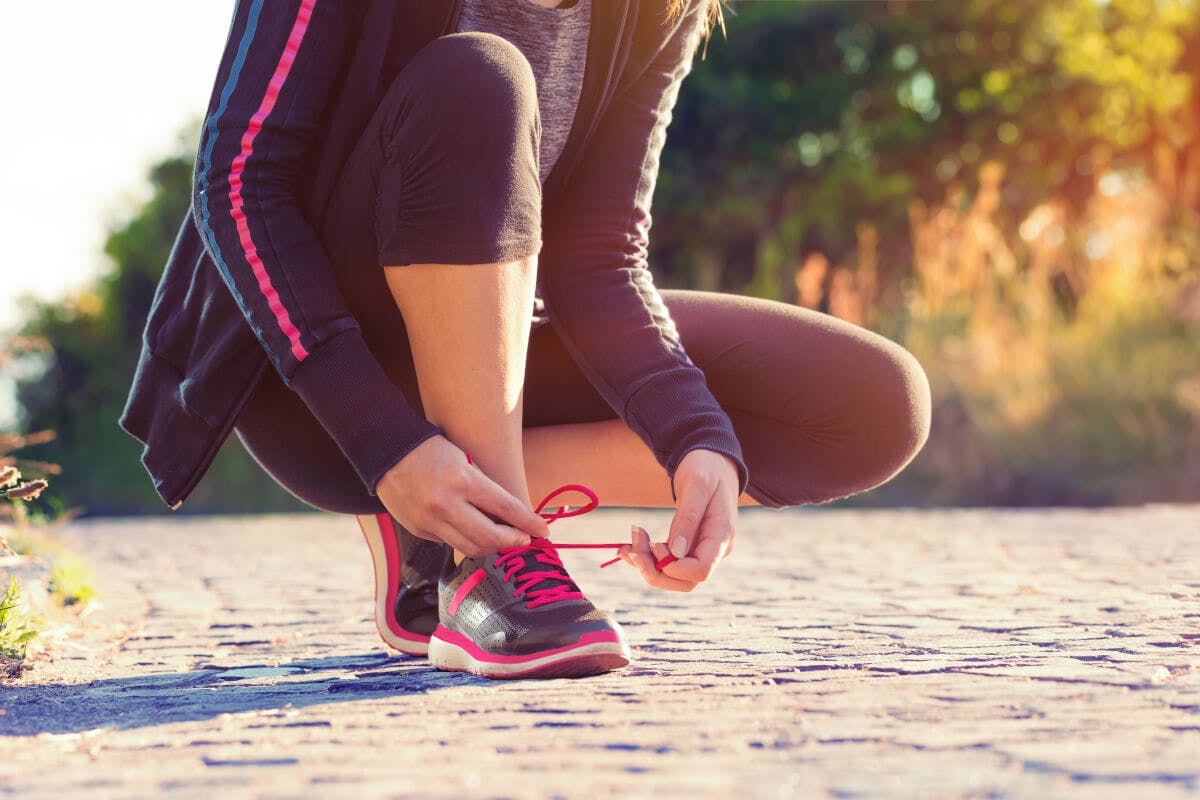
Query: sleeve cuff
{"type": "Point", "coordinates": [675, 413]}
{"type": "Point", "coordinates": [346, 388]}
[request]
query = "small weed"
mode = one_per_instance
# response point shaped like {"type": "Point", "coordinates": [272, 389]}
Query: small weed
{"type": "Point", "coordinates": [71, 581]}
{"type": "Point", "coordinates": [18, 627]}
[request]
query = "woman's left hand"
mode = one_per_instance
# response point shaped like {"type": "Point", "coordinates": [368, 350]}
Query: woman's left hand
{"type": "Point", "coordinates": [702, 530]}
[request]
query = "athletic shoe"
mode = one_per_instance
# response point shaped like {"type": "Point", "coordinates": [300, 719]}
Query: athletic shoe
{"type": "Point", "coordinates": [406, 583]}
{"type": "Point", "coordinates": [518, 614]}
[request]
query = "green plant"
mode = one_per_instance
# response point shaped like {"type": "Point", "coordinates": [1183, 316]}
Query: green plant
{"type": "Point", "coordinates": [71, 581]}
{"type": "Point", "coordinates": [18, 626]}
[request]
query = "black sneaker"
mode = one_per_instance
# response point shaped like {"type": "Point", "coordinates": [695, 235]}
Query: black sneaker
{"type": "Point", "coordinates": [406, 583]}
{"type": "Point", "coordinates": [518, 614]}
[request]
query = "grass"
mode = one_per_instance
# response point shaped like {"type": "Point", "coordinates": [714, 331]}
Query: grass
{"type": "Point", "coordinates": [1063, 350]}
{"type": "Point", "coordinates": [70, 585]}
{"type": "Point", "coordinates": [71, 581]}
{"type": "Point", "coordinates": [18, 626]}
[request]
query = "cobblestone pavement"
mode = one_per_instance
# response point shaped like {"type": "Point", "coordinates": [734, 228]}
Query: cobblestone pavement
{"type": "Point", "coordinates": [838, 653]}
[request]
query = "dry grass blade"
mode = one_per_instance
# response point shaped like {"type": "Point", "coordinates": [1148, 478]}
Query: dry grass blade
{"type": "Point", "coordinates": [29, 490]}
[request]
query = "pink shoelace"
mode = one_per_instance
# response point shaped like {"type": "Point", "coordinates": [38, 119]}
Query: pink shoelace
{"type": "Point", "coordinates": [513, 557]}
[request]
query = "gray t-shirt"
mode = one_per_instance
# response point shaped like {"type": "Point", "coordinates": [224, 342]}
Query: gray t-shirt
{"type": "Point", "coordinates": [554, 40]}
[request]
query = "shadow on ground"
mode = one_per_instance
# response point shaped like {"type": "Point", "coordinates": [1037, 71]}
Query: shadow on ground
{"type": "Point", "coordinates": [139, 701]}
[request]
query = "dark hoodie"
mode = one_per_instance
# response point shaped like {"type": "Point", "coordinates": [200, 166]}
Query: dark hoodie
{"type": "Point", "coordinates": [249, 287]}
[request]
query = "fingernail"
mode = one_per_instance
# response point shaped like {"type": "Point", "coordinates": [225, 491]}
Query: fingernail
{"type": "Point", "coordinates": [679, 547]}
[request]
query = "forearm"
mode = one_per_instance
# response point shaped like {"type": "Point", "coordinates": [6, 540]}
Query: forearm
{"type": "Point", "coordinates": [599, 292]}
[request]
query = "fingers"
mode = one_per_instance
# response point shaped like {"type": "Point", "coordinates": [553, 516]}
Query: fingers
{"type": "Point", "coordinates": [714, 542]}
{"type": "Point", "coordinates": [699, 566]}
{"type": "Point", "coordinates": [437, 494]}
{"type": "Point", "coordinates": [472, 533]}
{"type": "Point", "coordinates": [713, 532]}
{"type": "Point", "coordinates": [690, 510]}
{"type": "Point", "coordinates": [642, 556]}
{"type": "Point", "coordinates": [714, 545]}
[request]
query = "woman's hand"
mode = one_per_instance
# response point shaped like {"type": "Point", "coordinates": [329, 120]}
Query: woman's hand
{"type": "Point", "coordinates": [702, 530]}
{"type": "Point", "coordinates": [435, 494]}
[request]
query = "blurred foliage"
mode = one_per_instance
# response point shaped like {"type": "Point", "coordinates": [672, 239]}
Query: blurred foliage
{"type": "Point", "coordinates": [1009, 187]}
{"type": "Point", "coordinates": [811, 117]}
{"type": "Point", "coordinates": [71, 581]}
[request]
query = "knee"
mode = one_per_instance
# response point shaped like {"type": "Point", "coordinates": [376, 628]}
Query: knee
{"type": "Point", "coordinates": [893, 416]}
{"type": "Point", "coordinates": [878, 424]}
{"type": "Point", "coordinates": [468, 79]}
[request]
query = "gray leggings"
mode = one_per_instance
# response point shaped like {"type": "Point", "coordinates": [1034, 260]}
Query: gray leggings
{"type": "Point", "coordinates": [822, 409]}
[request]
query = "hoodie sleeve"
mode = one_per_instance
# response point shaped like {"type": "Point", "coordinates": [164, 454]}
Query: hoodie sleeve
{"type": "Point", "coordinates": [280, 66]}
{"type": "Point", "coordinates": [599, 292]}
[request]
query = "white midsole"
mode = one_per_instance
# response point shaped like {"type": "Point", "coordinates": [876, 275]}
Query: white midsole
{"type": "Point", "coordinates": [447, 655]}
{"type": "Point", "coordinates": [374, 536]}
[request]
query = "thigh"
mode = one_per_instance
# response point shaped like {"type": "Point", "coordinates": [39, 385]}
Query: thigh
{"type": "Point", "coordinates": [822, 408]}
{"type": "Point", "coordinates": [445, 172]}
{"type": "Point", "coordinates": [757, 355]}
{"type": "Point", "coordinates": [779, 359]}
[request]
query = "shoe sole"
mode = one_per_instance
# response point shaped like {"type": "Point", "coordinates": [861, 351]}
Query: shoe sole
{"type": "Point", "coordinates": [594, 653]}
{"type": "Point", "coordinates": [385, 555]}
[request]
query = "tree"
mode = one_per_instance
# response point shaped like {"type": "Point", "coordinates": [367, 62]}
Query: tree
{"type": "Point", "coordinates": [810, 118]}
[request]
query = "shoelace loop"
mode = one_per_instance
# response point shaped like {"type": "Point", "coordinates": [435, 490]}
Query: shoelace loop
{"type": "Point", "coordinates": [548, 546]}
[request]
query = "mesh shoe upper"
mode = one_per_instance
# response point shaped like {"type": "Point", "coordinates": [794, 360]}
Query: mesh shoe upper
{"type": "Point", "coordinates": [501, 603]}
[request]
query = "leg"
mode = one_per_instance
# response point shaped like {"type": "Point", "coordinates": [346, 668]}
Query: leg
{"type": "Point", "coordinates": [464, 209]}
{"type": "Point", "coordinates": [435, 227]}
{"type": "Point", "coordinates": [471, 381]}
{"type": "Point", "coordinates": [587, 451]}
{"type": "Point", "coordinates": [823, 409]}
{"type": "Point", "coordinates": [447, 176]}
{"type": "Point", "coordinates": [467, 199]}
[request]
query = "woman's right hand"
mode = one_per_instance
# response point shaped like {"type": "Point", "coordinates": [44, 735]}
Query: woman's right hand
{"type": "Point", "coordinates": [436, 494]}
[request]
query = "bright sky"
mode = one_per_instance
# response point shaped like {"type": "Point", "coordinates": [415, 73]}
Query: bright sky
{"type": "Point", "coordinates": [93, 94]}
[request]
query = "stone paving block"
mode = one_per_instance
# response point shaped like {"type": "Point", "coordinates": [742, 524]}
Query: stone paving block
{"type": "Point", "coordinates": [971, 653]}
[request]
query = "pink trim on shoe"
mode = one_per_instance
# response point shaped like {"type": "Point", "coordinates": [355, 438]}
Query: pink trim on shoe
{"type": "Point", "coordinates": [465, 589]}
{"type": "Point", "coordinates": [384, 537]}
{"type": "Point", "coordinates": [457, 639]}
